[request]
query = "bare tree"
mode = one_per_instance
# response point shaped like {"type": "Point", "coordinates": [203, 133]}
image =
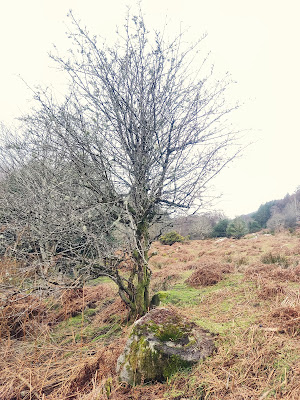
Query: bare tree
{"type": "Point", "coordinates": [46, 216]}
{"type": "Point", "coordinates": [145, 132]}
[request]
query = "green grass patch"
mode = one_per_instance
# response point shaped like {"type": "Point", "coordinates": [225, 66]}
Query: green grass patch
{"type": "Point", "coordinates": [78, 328]}
{"type": "Point", "coordinates": [285, 358]}
{"type": "Point", "coordinates": [180, 295]}
{"type": "Point", "coordinates": [107, 332]}
{"type": "Point", "coordinates": [183, 295]}
{"type": "Point", "coordinates": [90, 312]}
{"type": "Point", "coordinates": [73, 321]}
{"type": "Point", "coordinates": [100, 279]}
{"type": "Point", "coordinates": [215, 327]}
{"type": "Point", "coordinates": [227, 328]}
{"type": "Point", "coordinates": [226, 306]}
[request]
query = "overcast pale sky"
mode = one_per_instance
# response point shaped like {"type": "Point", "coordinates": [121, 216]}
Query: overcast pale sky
{"type": "Point", "coordinates": [257, 41]}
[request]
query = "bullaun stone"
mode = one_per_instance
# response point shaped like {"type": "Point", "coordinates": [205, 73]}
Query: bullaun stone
{"type": "Point", "coordinates": [160, 344]}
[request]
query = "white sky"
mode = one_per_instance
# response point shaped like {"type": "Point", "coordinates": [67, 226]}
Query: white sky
{"type": "Point", "coordinates": [257, 41]}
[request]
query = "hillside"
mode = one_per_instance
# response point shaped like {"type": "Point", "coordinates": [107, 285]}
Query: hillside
{"type": "Point", "coordinates": [65, 346]}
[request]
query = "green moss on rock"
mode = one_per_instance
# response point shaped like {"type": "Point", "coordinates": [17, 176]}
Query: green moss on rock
{"type": "Point", "coordinates": [160, 344]}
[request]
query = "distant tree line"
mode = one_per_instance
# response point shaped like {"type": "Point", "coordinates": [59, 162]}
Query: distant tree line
{"type": "Point", "coordinates": [196, 226]}
{"type": "Point", "coordinates": [274, 215]}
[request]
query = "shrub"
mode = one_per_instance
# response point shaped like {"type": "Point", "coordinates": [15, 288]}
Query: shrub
{"type": "Point", "coordinates": [278, 259]}
{"type": "Point", "coordinates": [171, 238]}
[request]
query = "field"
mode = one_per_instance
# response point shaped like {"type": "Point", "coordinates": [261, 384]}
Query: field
{"type": "Point", "coordinates": [65, 345]}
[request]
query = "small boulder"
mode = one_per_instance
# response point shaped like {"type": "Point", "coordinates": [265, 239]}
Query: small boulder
{"type": "Point", "coordinates": [160, 344]}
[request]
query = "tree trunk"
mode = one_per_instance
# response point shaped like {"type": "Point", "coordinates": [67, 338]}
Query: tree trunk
{"type": "Point", "coordinates": [142, 292]}
{"type": "Point", "coordinates": [142, 299]}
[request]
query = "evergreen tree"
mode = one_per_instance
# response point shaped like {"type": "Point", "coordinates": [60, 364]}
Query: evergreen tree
{"type": "Point", "coordinates": [237, 228]}
{"type": "Point", "coordinates": [220, 229]}
{"type": "Point", "coordinates": [264, 213]}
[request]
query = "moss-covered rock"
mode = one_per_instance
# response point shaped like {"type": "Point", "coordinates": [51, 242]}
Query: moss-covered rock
{"type": "Point", "coordinates": [160, 344]}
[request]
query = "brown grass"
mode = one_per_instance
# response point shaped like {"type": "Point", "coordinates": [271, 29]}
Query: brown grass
{"type": "Point", "coordinates": [204, 277]}
{"type": "Point", "coordinates": [246, 370]}
{"type": "Point", "coordinates": [57, 374]}
{"type": "Point", "coordinates": [20, 316]}
{"type": "Point", "coordinates": [288, 319]}
{"type": "Point", "coordinates": [74, 300]}
{"type": "Point", "coordinates": [207, 274]}
{"type": "Point", "coordinates": [254, 313]}
{"type": "Point", "coordinates": [269, 290]}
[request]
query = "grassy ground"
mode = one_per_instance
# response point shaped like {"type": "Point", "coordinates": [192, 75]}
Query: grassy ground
{"type": "Point", "coordinates": [244, 291]}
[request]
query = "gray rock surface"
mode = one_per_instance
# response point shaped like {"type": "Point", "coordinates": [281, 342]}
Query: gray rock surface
{"type": "Point", "coordinates": [161, 343]}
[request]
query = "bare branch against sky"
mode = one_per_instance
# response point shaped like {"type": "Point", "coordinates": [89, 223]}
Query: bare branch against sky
{"type": "Point", "coordinates": [255, 41]}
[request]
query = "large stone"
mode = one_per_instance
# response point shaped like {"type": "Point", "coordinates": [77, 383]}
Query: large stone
{"type": "Point", "coordinates": [160, 344]}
